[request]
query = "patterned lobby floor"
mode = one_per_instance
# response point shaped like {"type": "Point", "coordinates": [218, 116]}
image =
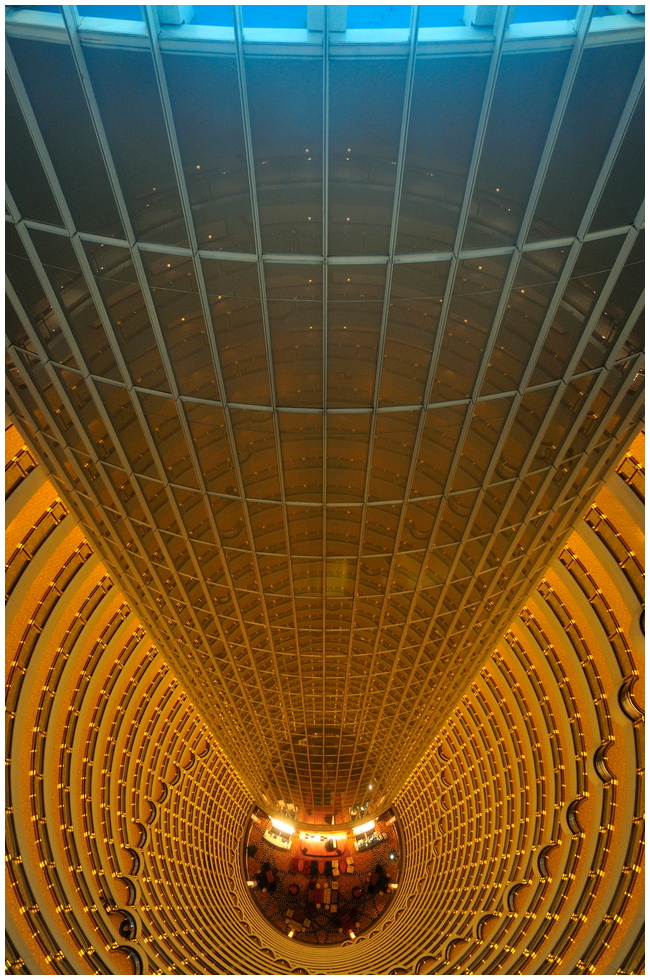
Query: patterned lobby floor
{"type": "Point", "coordinates": [356, 897]}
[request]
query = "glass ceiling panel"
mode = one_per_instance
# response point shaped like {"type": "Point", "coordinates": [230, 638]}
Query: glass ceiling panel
{"type": "Point", "coordinates": [44, 67]}
{"type": "Point", "coordinates": [301, 446]}
{"type": "Point", "coordinates": [355, 305]}
{"type": "Point", "coordinates": [285, 98]}
{"type": "Point", "coordinates": [487, 424]}
{"type": "Point", "coordinates": [20, 273]}
{"type": "Point", "coordinates": [625, 294]}
{"type": "Point", "coordinates": [208, 429]}
{"type": "Point", "coordinates": [476, 295]}
{"type": "Point", "coordinates": [331, 475]}
{"type": "Point", "coordinates": [532, 292]}
{"type": "Point", "coordinates": [62, 268]}
{"type": "Point", "coordinates": [257, 453]}
{"type": "Point", "coordinates": [234, 297]}
{"type": "Point", "coordinates": [622, 196]}
{"type": "Point", "coordinates": [590, 273]}
{"type": "Point", "coordinates": [395, 434]}
{"type": "Point", "coordinates": [137, 137]}
{"type": "Point", "coordinates": [414, 310]}
{"type": "Point", "coordinates": [366, 103]}
{"type": "Point", "coordinates": [23, 171]}
{"type": "Point", "coordinates": [117, 281]}
{"type": "Point", "coordinates": [599, 93]}
{"type": "Point", "coordinates": [294, 296]}
{"type": "Point", "coordinates": [447, 98]}
{"type": "Point", "coordinates": [180, 314]}
{"type": "Point", "coordinates": [348, 446]}
{"type": "Point", "coordinates": [519, 120]}
{"type": "Point", "coordinates": [204, 93]}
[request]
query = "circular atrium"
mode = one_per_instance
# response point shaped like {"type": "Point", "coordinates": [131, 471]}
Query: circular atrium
{"type": "Point", "coordinates": [325, 487]}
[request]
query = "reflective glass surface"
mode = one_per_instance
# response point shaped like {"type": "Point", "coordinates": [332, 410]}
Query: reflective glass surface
{"type": "Point", "coordinates": [294, 296]}
{"type": "Point", "coordinates": [118, 284]}
{"type": "Point", "coordinates": [394, 433]}
{"type": "Point", "coordinates": [355, 301]}
{"type": "Point", "coordinates": [622, 198]}
{"type": "Point", "coordinates": [348, 450]}
{"type": "Point", "coordinates": [135, 128]}
{"type": "Point", "coordinates": [476, 294]}
{"type": "Point", "coordinates": [23, 171]}
{"type": "Point", "coordinates": [530, 298]}
{"type": "Point", "coordinates": [413, 315]}
{"type": "Point", "coordinates": [84, 181]}
{"type": "Point", "coordinates": [129, 11]}
{"type": "Point", "coordinates": [365, 114]}
{"type": "Point", "coordinates": [441, 15]}
{"type": "Point", "coordinates": [335, 458]}
{"type": "Point", "coordinates": [212, 148]}
{"type": "Point", "coordinates": [439, 441]}
{"type": "Point", "coordinates": [274, 15]}
{"type": "Point", "coordinates": [626, 292]}
{"type": "Point", "coordinates": [530, 12]}
{"type": "Point", "coordinates": [65, 275]}
{"type": "Point", "coordinates": [285, 99]}
{"type": "Point", "coordinates": [34, 304]}
{"type": "Point", "coordinates": [488, 420]}
{"type": "Point", "coordinates": [593, 266]}
{"type": "Point", "coordinates": [180, 316]}
{"type": "Point", "coordinates": [516, 133]}
{"type": "Point", "coordinates": [599, 93]}
{"type": "Point", "coordinates": [447, 98]}
{"type": "Point", "coordinates": [234, 298]}
{"type": "Point", "coordinates": [378, 15]}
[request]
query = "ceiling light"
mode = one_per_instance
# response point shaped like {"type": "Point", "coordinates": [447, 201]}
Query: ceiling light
{"type": "Point", "coordinates": [286, 827]}
{"type": "Point", "coordinates": [364, 827]}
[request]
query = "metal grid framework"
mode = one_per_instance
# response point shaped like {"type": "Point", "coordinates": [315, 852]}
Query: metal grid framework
{"type": "Point", "coordinates": [326, 479]}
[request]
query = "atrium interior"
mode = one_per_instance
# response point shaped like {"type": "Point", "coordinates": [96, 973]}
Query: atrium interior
{"type": "Point", "coordinates": [324, 490]}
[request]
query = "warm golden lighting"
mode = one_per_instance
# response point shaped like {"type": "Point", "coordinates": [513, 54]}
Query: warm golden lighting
{"type": "Point", "coordinates": [324, 491]}
{"type": "Point", "coordinates": [280, 825]}
{"type": "Point", "coordinates": [363, 828]}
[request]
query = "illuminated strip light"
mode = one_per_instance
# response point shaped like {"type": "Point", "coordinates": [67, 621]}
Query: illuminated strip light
{"type": "Point", "coordinates": [364, 827]}
{"type": "Point", "coordinates": [318, 837]}
{"type": "Point", "coordinates": [285, 827]}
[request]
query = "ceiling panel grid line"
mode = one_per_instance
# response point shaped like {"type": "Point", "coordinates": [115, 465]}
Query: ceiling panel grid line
{"type": "Point", "coordinates": [633, 98]}
{"type": "Point", "coordinates": [456, 494]}
{"type": "Point", "coordinates": [191, 400]}
{"type": "Point", "coordinates": [36, 136]}
{"type": "Point", "coordinates": [331, 721]}
{"type": "Point", "coordinates": [581, 33]}
{"type": "Point", "coordinates": [499, 33]}
{"type": "Point", "coordinates": [397, 197]}
{"type": "Point", "coordinates": [565, 525]}
{"type": "Point", "coordinates": [250, 164]}
{"type": "Point", "coordinates": [166, 358]}
{"type": "Point", "coordinates": [122, 547]}
{"type": "Point", "coordinates": [533, 504]}
{"type": "Point", "coordinates": [85, 515]}
{"type": "Point", "coordinates": [630, 422]}
{"type": "Point", "coordinates": [412, 258]}
{"type": "Point", "coordinates": [582, 25]}
{"type": "Point", "coordinates": [586, 335]}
